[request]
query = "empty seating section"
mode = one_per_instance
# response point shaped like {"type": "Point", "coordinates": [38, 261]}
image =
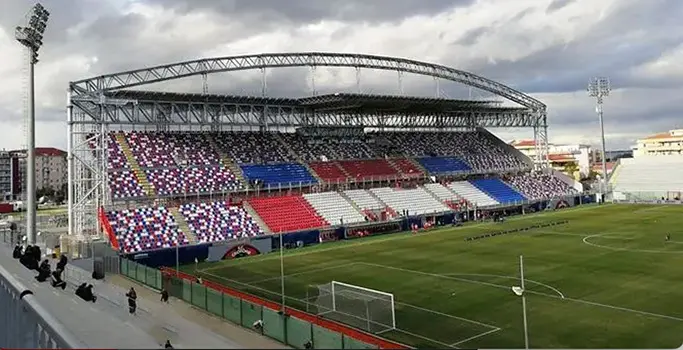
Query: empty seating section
{"type": "Point", "coordinates": [157, 150]}
{"type": "Point", "coordinates": [287, 213]}
{"type": "Point", "coordinates": [498, 190]}
{"type": "Point", "coordinates": [328, 171]}
{"type": "Point", "coordinates": [145, 229]}
{"type": "Point", "coordinates": [279, 174]}
{"type": "Point", "coordinates": [477, 150]}
{"type": "Point", "coordinates": [218, 221]}
{"type": "Point", "coordinates": [115, 157]}
{"type": "Point", "coordinates": [252, 147]}
{"type": "Point", "coordinates": [124, 184]}
{"type": "Point", "coordinates": [472, 194]}
{"type": "Point", "coordinates": [416, 201]}
{"type": "Point", "coordinates": [334, 208]}
{"type": "Point", "coordinates": [363, 199]}
{"type": "Point", "coordinates": [202, 179]}
{"type": "Point", "coordinates": [437, 165]}
{"type": "Point", "coordinates": [407, 167]}
{"type": "Point", "coordinates": [365, 169]}
{"type": "Point", "coordinates": [328, 148]}
{"type": "Point", "coordinates": [441, 192]}
{"type": "Point", "coordinates": [538, 185]}
{"type": "Point", "coordinates": [656, 175]}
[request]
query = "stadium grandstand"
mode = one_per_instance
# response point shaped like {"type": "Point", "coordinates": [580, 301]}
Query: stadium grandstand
{"type": "Point", "coordinates": [346, 159]}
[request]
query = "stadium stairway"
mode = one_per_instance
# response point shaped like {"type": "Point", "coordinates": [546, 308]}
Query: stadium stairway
{"type": "Point", "coordinates": [227, 161]}
{"type": "Point", "coordinates": [348, 199]}
{"type": "Point", "coordinates": [254, 215]}
{"type": "Point", "coordinates": [296, 156]}
{"type": "Point", "coordinates": [182, 225]}
{"type": "Point", "coordinates": [406, 167]}
{"type": "Point", "coordinates": [140, 175]}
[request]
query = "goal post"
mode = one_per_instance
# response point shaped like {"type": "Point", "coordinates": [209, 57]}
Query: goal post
{"type": "Point", "coordinates": [364, 308]}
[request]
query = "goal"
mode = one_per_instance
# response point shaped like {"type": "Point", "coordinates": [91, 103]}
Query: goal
{"type": "Point", "coordinates": [364, 308]}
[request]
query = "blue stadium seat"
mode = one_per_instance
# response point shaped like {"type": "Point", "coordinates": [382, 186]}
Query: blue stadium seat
{"type": "Point", "coordinates": [437, 165]}
{"type": "Point", "coordinates": [275, 174]}
{"type": "Point", "coordinates": [498, 190]}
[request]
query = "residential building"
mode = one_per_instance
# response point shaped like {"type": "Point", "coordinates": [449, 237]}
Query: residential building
{"type": "Point", "coordinates": [51, 169]}
{"type": "Point", "coordinates": [561, 157]}
{"type": "Point", "coordinates": [663, 144]}
{"type": "Point", "coordinates": [5, 175]}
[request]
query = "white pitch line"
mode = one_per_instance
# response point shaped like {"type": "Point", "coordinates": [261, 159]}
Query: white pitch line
{"type": "Point", "coordinates": [475, 337]}
{"type": "Point", "coordinates": [646, 313]}
{"type": "Point", "coordinates": [423, 337]}
{"type": "Point", "coordinates": [449, 315]}
{"type": "Point", "coordinates": [394, 237]}
{"type": "Point", "coordinates": [508, 277]}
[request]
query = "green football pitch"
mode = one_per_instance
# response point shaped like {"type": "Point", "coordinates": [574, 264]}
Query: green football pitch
{"type": "Point", "coordinates": [606, 279]}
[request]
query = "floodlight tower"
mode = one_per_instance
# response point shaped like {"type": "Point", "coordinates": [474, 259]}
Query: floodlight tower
{"type": "Point", "coordinates": [599, 87]}
{"type": "Point", "coordinates": [31, 37]}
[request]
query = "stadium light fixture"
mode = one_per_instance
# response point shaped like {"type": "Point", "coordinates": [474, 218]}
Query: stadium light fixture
{"type": "Point", "coordinates": [599, 88]}
{"type": "Point", "coordinates": [31, 37]}
{"type": "Point", "coordinates": [519, 291]}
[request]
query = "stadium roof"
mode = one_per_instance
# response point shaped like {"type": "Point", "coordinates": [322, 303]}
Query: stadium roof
{"type": "Point", "coordinates": [328, 102]}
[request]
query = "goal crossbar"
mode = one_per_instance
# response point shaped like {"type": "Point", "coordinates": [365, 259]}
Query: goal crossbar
{"type": "Point", "coordinates": [356, 291]}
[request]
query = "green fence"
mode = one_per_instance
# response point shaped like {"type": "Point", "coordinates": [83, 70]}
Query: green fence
{"type": "Point", "coordinates": [285, 329]}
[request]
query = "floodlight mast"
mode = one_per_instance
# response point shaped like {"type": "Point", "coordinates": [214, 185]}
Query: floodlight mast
{"type": "Point", "coordinates": [599, 87]}
{"type": "Point", "coordinates": [31, 37]}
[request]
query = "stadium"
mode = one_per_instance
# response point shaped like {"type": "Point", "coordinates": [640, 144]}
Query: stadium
{"type": "Point", "coordinates": [352, 220]}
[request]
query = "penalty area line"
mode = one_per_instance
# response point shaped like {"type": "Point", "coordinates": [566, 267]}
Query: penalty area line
{"type": "Point", "coordinates": [475, 337]}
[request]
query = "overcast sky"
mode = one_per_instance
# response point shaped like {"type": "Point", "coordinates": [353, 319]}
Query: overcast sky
{"type": "Point", "coordinates": [547, 48]}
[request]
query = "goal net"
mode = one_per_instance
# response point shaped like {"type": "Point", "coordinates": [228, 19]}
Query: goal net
{"type": "Point", "coordinates": [364, 308]}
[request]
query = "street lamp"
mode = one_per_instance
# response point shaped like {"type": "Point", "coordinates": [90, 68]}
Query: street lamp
{"type": "Point", "coordinates": [519, 291]}
{"type": "Point", "coordinates": [31, 37]}
{"type": "Point", "coordinates": [599, 87]}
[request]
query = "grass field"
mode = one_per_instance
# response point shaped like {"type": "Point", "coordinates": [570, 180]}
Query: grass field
{"type": "Point", "coordinates": [607, 279]}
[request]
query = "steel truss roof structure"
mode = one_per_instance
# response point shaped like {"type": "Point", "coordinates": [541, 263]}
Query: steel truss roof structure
{"type": "Point", "coordinates": [97, 104]}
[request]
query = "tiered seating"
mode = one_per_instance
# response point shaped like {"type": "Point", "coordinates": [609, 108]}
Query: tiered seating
{"type": "Point", "coordinates": [498, 190]}
{"type": "Point", "coordinates": [115, 157]}
{"type": "Point", "coordinates": [406, 167]}
{"type": "Point", "coordinates": [416, 201]}
{"type": "Point", "coordinates": [287, 213]}
{"type": "Point", "coordinates": [654, 174]}
{"type": "Point", "coordinates": [203, 179]}
{"type": "Point", "coordinates": [334, 208]}
{"type": "Point", "coordinates": [539, 185]}
{"type": "Point", "coordinates": [145, 229]}
{"type": "Point", "coordinates": [479, 152]}
{"type": "Point", "coordinates": [156, 150]}
{"type": "Point", "coordinates": [218, 221]}
{"type": "Point", "coordinates": [376, 168]}
{"type": "Point", "coordinates": [438, 165]}
{"type": "Point", "coordinates": [328, 148]}
{"type": "Point", "coordinates": [472, 194]}
{"type": "Point", "coordinates": [328, 171]}
{"type": "Point", "coordinates": [252, 147]}
{"type": "Point", "coordinates": [441, 192]}
{"type": "Point", "coordinates": [124, 184]}
{"type": "Point", "coordinates": [284, 174]}
{"type": "Point", "coordinates": [362, 199]}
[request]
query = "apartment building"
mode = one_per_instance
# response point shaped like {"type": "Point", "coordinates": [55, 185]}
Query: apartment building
{"type": "Point", "coordinates": [51, 170]}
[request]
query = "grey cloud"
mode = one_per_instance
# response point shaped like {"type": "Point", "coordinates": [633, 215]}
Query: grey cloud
{"type": "Point", "coordinates": [608, 49]}
{"type": "Point", "coordinates": [557, 5]}
{"type": "Point", "coordinates": [306, 11]}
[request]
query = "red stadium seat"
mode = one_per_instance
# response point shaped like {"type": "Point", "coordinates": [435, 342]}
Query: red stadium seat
{"type": "Point", "coordinates": [328, 171]}
{"type": "Point", "coordinates": [287, 213]}
{"type": "Point", "coordinates": [374, 168]}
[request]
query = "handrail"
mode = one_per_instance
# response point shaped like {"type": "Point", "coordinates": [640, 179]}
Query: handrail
{"type": "Point", "coordinates": [26, 323]}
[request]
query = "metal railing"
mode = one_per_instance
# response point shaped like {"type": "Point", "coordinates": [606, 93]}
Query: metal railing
{"type": "Point", "coordinates": [25, 324]}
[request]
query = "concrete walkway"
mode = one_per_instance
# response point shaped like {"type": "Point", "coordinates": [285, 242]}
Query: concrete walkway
{"type": "Point", "coordinates": [179, 309]}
